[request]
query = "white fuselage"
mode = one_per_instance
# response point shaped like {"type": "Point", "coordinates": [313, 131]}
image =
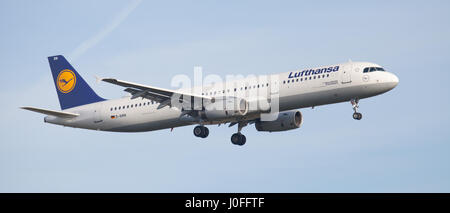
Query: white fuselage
{"type": "Point", "coordinates": [137, 115]}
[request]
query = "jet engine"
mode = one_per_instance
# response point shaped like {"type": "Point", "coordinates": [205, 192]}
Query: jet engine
{"type": "Point", "coordinates": [225, 107]}
{"type": "Point", "coordinates": [286, 120]}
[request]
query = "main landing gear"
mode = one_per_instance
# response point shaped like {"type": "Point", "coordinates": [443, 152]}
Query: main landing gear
{"type": "Point", "coordinates": [355, 105]}
{"type": "Point", "coordinates": [201, 131]}
{"type": "Point", "coordinates": [238, 138]}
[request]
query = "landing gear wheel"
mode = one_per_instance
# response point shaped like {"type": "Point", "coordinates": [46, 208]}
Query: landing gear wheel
{"type": "Point", "coordinates": [238, 139]}
{"type": "Point", "coordinates": [243, 140]}
{"type": "Point", "coordinates": [357, 116]}
{"type": "Point", "coordinates": [201, 131]}
{"type": "Point", "coordinates": [235, 138]}
{"type": "Point", "coordinates": [205, 132]}
{"type": "Point", "coordinates": [198, 131]}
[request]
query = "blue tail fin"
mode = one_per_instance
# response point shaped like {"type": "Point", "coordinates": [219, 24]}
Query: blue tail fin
{"type": "Point", "coordinates": [71, 88]}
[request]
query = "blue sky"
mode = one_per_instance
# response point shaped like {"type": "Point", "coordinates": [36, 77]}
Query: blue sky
{"type": "Point", "coordinates": [401, 145]}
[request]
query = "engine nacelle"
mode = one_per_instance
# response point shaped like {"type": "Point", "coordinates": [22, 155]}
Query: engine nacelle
{"type": "Point", "coordinates": [285, 121]}
{"type": "Point", "coordinates": [225, 107]}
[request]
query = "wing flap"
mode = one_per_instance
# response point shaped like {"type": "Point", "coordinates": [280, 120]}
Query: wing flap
{"type": "Point", "coordinates": [161, 91]}
{"type": "Point", "coordinates": [149, 92]}
{"type": "Point", "coordinates": [146, 94]}
{"type": "Point", "coordinates": [52, 112]}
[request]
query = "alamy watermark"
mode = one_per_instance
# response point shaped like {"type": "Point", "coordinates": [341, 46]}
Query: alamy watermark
{"type": "Point", "coordinates": [235, 93]}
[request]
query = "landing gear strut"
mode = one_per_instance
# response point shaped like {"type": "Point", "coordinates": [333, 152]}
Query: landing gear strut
{"type": "Point", "coordinates": [201, 131]}
{"type": "Point", "coordinates": [238, 138]}
{"type": "Point", "coordinates": [355, 105]}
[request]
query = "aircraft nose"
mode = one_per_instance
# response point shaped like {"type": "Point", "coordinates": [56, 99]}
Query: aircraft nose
{"type": "Point", "coordinates": [394, 80]}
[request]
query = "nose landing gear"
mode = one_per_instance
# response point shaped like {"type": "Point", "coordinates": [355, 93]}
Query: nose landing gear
{"type": "Point", "coordinates": [355, 105]}
{"type": "Point", "coordinates": [357, 116]}
{"type": "Point", "coordinates": [201, 131]}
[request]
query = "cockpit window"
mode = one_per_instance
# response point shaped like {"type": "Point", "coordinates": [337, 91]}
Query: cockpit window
{"type": "Point", "coordinates": [372, 69]}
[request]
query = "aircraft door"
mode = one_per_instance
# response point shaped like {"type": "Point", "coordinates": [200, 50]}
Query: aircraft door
{"type": "Point", "coordinates": [274, 93]}
{"type": "Point", "coordinates": [346, 76]}
{"type": "Point", "coordinates": [98, 114]}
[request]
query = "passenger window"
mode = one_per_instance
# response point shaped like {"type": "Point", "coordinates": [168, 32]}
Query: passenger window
{"type": "Point", "coordinates": [372, 69]}
{"type": "Point", "coordinates": [366, 70]}
{"type": "Point", "coordinates": [267, 84]}
{"type": "Point", "coordinates": [380, 69]}
{"type": "Point", "coordinates": [235, 89]}
{"type": "Point", "coordinates": [328, 75]}
{"type": "Point", "coordinates": [284, 82]}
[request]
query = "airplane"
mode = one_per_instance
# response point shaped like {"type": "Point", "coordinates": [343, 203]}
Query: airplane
{"type": "Point", "coordinates": [149, 108]}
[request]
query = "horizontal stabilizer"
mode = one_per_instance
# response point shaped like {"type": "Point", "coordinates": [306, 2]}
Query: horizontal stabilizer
{"type": "Point", "coordinates": [52, 112]}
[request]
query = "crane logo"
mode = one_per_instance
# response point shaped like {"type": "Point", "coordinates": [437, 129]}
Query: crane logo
{"type": "Point", "coordinates": [66, 81]}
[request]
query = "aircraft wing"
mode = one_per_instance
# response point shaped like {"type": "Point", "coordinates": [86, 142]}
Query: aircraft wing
{"type": "Point", "coordinates": [160, 95]}
{"type": "Point", "coordinates": [52, 112]}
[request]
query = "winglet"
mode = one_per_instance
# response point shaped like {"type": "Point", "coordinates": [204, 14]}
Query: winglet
{"type": "Point", "coordinates": [98, 79]}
